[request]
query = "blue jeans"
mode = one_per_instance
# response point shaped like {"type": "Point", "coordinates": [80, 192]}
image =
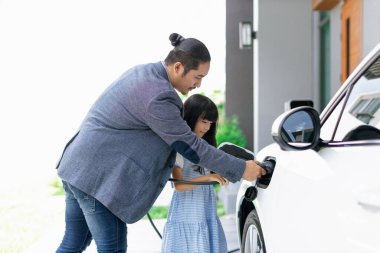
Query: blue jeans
{"type": "Point", "coordinates": [87, 219]}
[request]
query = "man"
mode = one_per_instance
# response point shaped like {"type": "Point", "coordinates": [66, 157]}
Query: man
{"type": "Point", "coordinates": [115, 167]}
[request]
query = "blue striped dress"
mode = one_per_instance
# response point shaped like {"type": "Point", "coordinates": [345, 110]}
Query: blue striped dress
{"type": "Point", "coordinates": [193, 225]}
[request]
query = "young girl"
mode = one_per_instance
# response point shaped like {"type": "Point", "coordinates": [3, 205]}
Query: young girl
{"type": "Point", "coordinates": [193, 225]}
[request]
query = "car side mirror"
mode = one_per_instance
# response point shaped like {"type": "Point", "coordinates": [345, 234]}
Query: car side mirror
{"type": "Point", "coordinates": [297, 129]}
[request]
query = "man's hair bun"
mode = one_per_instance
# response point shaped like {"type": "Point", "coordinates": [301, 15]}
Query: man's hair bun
{"type": "Point", "coordinates": [190, 52]}
{"type": "Point", "coordinates": [175, 39]}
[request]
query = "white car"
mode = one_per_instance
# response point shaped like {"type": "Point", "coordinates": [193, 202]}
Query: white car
{"type": "Point", "coordinates": [324, 193]}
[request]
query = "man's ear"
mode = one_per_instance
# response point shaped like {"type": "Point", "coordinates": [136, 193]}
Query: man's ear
{"type": "Point", "coordinates": [178, 67]}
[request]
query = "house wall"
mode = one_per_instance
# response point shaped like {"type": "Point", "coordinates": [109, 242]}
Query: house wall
{"type": "Point", "coordinates": [286, 64]}
{"type": "Point", "coordinates": [284, 60]}
{"type": "Point", "coordinates": [370, 37]}
{"type": "Point", "coordinates": [239, 65]}
{"type": "Point", "coordinates": [335, 49]}
{"type": "Point", "coordinates": [371, 25]}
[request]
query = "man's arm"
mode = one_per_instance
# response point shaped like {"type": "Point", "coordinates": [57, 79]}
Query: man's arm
{"type": "Point", "coordinates": [164, 118]}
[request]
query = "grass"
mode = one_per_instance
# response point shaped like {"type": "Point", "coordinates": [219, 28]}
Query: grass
{"type": "Point", "coordinates": [28, 213]}
{"type": "Point", "coordinates": [25, 217]}
{"type": "Point", "coordinates": [156, 212]}
{"type": "Point", "coordinates": [57, 187]}
{"type": "Point", "coordinates": [161, 212]}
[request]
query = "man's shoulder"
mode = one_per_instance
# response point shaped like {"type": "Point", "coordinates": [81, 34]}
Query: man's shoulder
{"type": "Point", "coordinates": [153, 67]}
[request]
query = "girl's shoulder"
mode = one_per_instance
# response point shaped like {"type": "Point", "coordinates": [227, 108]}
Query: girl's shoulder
{"type": "Point", "coordinates": [179, 160]}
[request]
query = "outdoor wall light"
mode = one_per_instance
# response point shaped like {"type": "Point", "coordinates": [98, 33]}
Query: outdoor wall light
{"type": "Point", "coordinates": [245, 35]}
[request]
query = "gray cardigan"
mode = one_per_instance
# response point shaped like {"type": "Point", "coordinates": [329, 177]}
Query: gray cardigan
{"type": "Point", "coordinates": [125, 149]}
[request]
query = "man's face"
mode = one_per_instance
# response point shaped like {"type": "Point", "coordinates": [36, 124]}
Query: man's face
{"type": "Point", "coordinates": [192, 79]}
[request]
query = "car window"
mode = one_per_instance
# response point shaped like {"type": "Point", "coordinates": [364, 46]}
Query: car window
{"type": "Point", "coordinates": [361, 114]}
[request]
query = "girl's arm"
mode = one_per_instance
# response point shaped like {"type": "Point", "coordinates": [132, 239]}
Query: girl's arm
{"type": "Point", "coordinates": [177, 174]}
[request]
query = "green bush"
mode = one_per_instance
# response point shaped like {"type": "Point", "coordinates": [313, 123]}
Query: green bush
{"type": "Point", "coordinates": [158, 212]}
{"type": "Point", "coordinates": [161, 212]}
{"type": "Point", "coordinates": [57, 187]}
{"type": "Point", "coordinates": [229, 131]}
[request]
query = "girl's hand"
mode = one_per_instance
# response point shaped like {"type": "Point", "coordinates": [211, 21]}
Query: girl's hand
{"type": "Point", "coordinates": [218, 178]}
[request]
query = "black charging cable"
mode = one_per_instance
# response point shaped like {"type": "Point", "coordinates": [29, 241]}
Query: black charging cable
{"type": "Point", "coordinates": [191, 182]}
{"type": "Point", "coordinates": [154, 226]}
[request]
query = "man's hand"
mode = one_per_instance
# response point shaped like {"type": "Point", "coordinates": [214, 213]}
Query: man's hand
{"type": "Point", "coordinates": [253, 170]}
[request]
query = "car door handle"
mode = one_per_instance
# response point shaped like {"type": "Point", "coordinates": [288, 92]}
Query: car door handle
{"type": "Point", "coordinates": [369, 200]}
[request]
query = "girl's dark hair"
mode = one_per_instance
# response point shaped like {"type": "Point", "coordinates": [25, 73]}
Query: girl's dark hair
{"type": "Point", "coordinates": [190, 52]}
{"type": "Point", "coordinates": [199, 106]}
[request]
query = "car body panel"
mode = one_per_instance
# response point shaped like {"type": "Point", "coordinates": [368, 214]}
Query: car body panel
{"type": "Point", "coordinates": [339, 200]}
{"type": "Point", "coordinates": [325, 199]}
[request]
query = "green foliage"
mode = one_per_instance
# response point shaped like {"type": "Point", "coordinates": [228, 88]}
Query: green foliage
{"type": "Point", "coordinates": [57, 187]}
{"type": "Point", "coordinates": [161, 212]}
{"type": "Point", "coordinates": [229, 131]}
{"type": "Point", "coordinates": [220, 209]}
{"type": "Point", "coordinates": [158, 212]}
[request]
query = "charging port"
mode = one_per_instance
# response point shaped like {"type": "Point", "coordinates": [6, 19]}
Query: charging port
{"type": "Point", "coordinates": [268, 165]}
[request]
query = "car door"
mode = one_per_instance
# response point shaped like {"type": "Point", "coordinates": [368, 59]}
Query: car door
{"type": "Point", "coordinates": [328, 199]}
{"type": "Point", "coordinates": [353, 155]}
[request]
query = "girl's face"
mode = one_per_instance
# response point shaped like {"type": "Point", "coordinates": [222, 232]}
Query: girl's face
{"type": "Point", "coordinates": [202, 126]}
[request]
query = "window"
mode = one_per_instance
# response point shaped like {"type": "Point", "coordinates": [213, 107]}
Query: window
{"type": "Point", "coordinates": [362, 109]}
